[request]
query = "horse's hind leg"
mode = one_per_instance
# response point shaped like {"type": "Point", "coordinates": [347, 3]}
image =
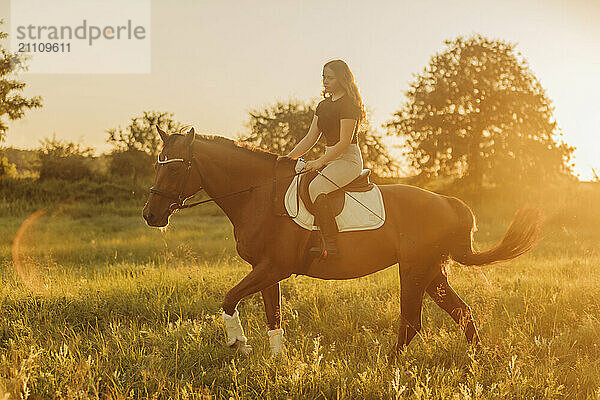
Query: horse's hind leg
{"type": "Point", "coordinates": [413, 281]}
{"type": "Point", "coordinates": [445, 297]}
{"type": "Point", "coordinates": [272, 299]}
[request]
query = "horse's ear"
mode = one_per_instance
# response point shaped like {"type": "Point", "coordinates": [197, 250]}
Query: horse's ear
{"type": "Point", "coordinates": [163, 135]}
{"type": "Point", "coordinates": [190, 136]}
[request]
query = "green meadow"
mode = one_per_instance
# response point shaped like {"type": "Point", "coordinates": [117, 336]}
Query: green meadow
{"type": "Point", "coordinates": [95, 304]}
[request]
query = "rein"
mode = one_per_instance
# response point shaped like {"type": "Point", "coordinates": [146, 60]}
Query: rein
{"type": "Point", "coordinates": [249, 189]}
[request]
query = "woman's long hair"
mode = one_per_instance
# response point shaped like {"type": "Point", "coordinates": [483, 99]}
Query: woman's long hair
{"type": "Point", "coordinates": [346, 79]}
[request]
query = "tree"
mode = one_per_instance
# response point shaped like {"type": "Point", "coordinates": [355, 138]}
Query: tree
{"type": "Point", "coordinates": [137, 145]}
{"type": "Point", "coordinates": [280, 127]}
{"type": "Point", "coordinates": [131, 163]}
{"type": "Point", "coordinates": [12, 103]}
{"type": "Point", "coordinates": [478, 113]}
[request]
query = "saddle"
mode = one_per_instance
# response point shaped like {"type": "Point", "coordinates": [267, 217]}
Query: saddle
{"type": "Point", "coordinates": [336, 197]}
{"type": "Point", "coordinates": [356, 206]}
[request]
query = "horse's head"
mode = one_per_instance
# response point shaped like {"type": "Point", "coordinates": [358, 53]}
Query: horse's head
{"type": "Point", "coordinates": [176, 178]}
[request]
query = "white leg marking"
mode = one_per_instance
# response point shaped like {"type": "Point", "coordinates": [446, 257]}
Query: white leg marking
{"type": "Point", "coordinates": [276, 340]}
{"type": "Point", "coordinates": [235, 332]}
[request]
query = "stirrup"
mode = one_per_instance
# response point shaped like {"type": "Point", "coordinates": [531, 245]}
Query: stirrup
{"type": "Point", "coordinates": [321, 252]}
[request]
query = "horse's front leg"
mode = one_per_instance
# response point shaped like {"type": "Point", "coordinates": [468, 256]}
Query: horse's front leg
{"type": "Point", "coordinates": [263, 276]}
{"type": "Point", "coordinates": [272, 299]}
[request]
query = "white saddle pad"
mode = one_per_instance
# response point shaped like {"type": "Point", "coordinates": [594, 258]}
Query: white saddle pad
{"type": "Point", "coordinates": [354, 215]}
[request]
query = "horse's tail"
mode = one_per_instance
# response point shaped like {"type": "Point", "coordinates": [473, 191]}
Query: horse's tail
{"type": "Point", "coordinates": [523, 234]}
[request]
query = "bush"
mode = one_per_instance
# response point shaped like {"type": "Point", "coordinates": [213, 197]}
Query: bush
{"type": "Point", "coordinates": [7, 169]}
{"type": "Point", "coordinates": [131, 163]}
{"type": "Point", "coordinates": [65, 160]}
{"type": "Point", "coordinates": [24, 195]}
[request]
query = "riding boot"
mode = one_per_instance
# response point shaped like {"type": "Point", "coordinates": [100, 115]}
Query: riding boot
{"type": "Point", "coordinates": [325, 219]}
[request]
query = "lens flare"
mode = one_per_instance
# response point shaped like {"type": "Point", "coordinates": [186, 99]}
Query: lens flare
{"type": "Point", "coordinates": [25, 272]}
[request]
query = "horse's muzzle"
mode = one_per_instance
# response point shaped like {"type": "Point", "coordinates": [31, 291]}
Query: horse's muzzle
{"type": "Point", "coordinates": [153, 220]}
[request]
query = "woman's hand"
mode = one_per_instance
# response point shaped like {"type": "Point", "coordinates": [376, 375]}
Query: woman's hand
{"type": "Point", "coordinates": [313, 164]}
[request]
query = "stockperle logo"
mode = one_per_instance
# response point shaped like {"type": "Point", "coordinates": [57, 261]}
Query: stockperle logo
{"type": "Point", "coordinates": [74, 36]}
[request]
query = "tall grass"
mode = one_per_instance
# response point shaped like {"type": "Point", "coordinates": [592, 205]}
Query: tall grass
{"type": "Point", "coordinates": [102, 306]}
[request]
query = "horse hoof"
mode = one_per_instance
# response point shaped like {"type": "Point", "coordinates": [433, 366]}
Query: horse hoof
{"type": "Point", "coordinates": [241, 347]}
{"type": "Point", "coordinates": [278, 354]}
{"type": "Point", "coordinates": [245, 349]}
{"type": "Point", "coordinates": [392, 357]}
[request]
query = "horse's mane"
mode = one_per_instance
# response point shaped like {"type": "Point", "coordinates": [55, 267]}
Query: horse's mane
{"type": "Point", "coordinates": [235, 143]}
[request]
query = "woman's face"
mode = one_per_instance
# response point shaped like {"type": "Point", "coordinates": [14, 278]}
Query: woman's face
{"type": "Point", "coordinates": [330, 83]}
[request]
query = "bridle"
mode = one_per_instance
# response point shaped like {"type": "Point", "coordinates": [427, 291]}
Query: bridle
{"type": "Point", "coordinates": [179, 198]}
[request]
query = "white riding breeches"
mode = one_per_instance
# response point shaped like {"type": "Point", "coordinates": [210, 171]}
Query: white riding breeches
{"type": "Point", "coordinates": [342, 170]}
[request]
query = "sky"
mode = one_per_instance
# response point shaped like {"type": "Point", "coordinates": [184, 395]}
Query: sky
{"type": "Point", "coordinates": [212, 62]}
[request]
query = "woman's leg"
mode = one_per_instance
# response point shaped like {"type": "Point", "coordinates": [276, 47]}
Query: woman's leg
{"type": "Point", "coordinates": [340, 171]}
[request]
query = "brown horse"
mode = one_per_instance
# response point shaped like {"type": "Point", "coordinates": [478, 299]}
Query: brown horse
{"type": "Point", "coordinates": [422, 230]}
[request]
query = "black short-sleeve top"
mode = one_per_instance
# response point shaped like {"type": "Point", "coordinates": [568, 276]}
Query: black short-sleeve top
{"type": "Point", "coordinates": [330, 112]}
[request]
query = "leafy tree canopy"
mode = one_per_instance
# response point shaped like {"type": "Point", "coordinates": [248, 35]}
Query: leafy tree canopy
{"type": "Point", "coordinates": [12, 103]}
{"type": "Point", "coordinates": [137, 145]}
{"type": "Point", "coordinates": [141, 134]}
{"type": "Point", "coordinates": [478, 113]}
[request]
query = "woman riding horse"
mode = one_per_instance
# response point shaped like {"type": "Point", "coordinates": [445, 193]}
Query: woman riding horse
{"type": "Point", "coordinates": [423, 230]}
{"type": "Point", "coordinates": [338, 117]}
